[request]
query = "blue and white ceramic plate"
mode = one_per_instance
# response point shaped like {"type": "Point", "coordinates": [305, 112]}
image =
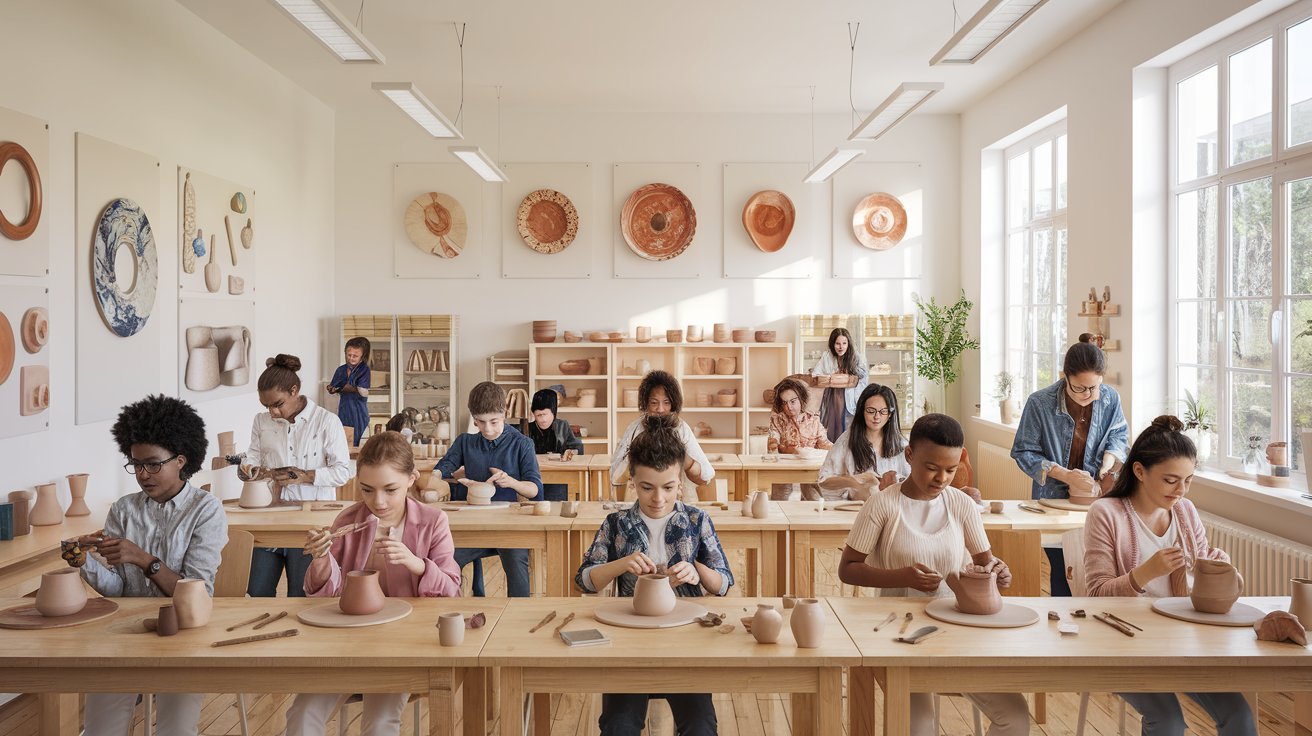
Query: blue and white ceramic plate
{"type": "Point", "coordinates": [125, 299]}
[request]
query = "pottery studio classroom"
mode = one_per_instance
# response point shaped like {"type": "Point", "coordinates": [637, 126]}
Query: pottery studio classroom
{"type": "Point", "coordinates": [847, 368]}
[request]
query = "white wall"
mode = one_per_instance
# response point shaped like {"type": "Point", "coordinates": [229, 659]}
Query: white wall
{"type": "Point", "coordinates": [495, 313]}
{"type": "Point", "coordinates": [150, 75]}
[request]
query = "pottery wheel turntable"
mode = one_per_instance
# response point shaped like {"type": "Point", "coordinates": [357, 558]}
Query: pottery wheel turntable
{"type": "Point", "coordinates": [1063, 504]}
{"type": "Point", "coordinates": [330, 616]}
{"type": "Point", "coordinates": [621, 613]}
{"type": "Point", "coordinates": [1240, 614]}
{"type": "Point", "coordinates": [29, 619]}
{"type": "Point", "coordinates": [1010, 617]}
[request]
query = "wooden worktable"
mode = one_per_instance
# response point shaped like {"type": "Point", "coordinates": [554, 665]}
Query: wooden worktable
{"type": "Point", "coordinates": [573, 473]}
{"type": "Point", "coordinates": [683, 659]}
{"type": "Point", "coordinates": [727, 468]}
{"type": "Point", "coordinates": [26, 557]}
{"type": "Point", "coordinates": [758, 474]}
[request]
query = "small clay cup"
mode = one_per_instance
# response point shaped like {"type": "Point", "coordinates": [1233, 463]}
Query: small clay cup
{"type": "Point", "coordinates": [168, 621]}
{"type": "Point", "coordinates": [765, 335]}
{"type": "Point", "coordinates": [451, 629]}
{"type": "Point", "coordinates": [675, 336]}
{"type": "Point", "coordinates": [694, 333]}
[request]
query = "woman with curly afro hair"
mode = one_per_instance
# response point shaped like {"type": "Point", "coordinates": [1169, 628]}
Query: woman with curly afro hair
{"type": "Point", "coordinates": [169, 531]}
{"type": "Point", "coordinates": [659, 394]}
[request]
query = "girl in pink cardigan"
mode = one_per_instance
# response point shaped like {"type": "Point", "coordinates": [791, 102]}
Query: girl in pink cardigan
{"type": "Point", "coordinates": [408, 542]}
{"type": "Point", "coordinates": [1143, 538]}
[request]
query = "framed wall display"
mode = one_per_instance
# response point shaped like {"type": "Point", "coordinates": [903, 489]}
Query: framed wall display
{"type": "Point", "coordinates": [548, 223]}
{"type": "Point", "coordinates": [437, 216]}
{"type": "Point", "coordinates": [216, 348]}
{"type": "Point", "coordinates": [116, 305]}
{"type": "Point", "coordinates": [661, 220]}
{"type": "Point", "coordinates": [223, 217]}
{"type": "Point", "coordinates": [25, 329]}
{"type": "Point", "coordinates": [905, 182]}
{"type": "Point", "coordinates": [769, 227]}
{"type": "Point", "coordinates": [24, 209]}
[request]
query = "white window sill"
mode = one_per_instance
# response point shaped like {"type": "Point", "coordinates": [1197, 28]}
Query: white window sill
{"type": "Point", "coordinates": [1289, 499]}
{"type": "Point", "coordinates": [994, 424]}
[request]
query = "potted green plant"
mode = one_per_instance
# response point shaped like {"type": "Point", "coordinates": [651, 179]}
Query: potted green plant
{"type": "Point", "coordinates": [1009, 407]}
{"type": "Point", "coordinates": [941, 338]}
{"type": "Point", "coordinates": [1199, 419]}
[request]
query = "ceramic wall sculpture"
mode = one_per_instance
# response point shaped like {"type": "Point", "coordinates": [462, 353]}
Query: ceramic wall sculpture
{"type": "Point", "coordinates": [46, 511]}
{"type": "Point", "coordinates": [1217, 585]}
{"type": "Point", "coordinates": [23, 230]}
{"type": "Point", "coordinates": [202, 360]}
{"type": "Point", "coordinates": [247, 235]}
{"type": "Point", "coordinates": [22, 501]}
{"type": "Point", "coordinates": [976, 590]}
{"type": "Point", "coordinates": [232, 244]}
{"type": "Point", "coordinates": [880, 221]}
{"type": "Point", "coordinates": [167, 623]}
{"type": "Point", "coordinates": [35, 330]}
{"type": "Point", "coordinates": [7, 349]}
{"type": "Point", "coordinates": [658, 222]}
{"type": "Point", "coordinates": [198, 243]}
{"type": "Point", "coordinates": [769, 217]}
{"type": "Point", "coordinates": [188, 225]}
{"type": "Point", "coordinates": [653, 595]}
{"type": "Point", "coordinates": [547, 221]}
{"type": "Point", "coordinates": [436, 224]}
{"type": "Point", "coordinates": [808, 623]}
{"type": "Point", "coordinates": [125, 299]}
{"type": "Point", "coordinates": [61, 593]}
{"type": "Point", "coordinates": [239, 203]}
{"type": "Point", "coordinates": [193, 603]}
{"type": "Point", "coordinates": [77, 488]}
{"type": "Point", "coordinates": [1300, 598]}
{"type": "Point", "coordinates": [236, 285]}
{"type": "Point", "coordinates": [217, 356]}
{"type": "Point", "coordinates": [362, 595]}
{"type": "Point", "coordinates": [213, 271]}
{"type": "Point", "coordinates": [767, 624]}
{"type": "Point", "coordinates": [34, 390]}
{"type": "Point", "coordinates": [451, 629]}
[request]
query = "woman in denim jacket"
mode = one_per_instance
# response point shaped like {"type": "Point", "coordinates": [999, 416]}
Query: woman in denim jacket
{"type": "Point", "coordinates": [1072, 434]}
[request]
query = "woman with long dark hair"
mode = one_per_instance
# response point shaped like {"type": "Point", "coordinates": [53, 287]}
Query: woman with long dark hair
{"type": "Point", "coordinates": [869, 455]}
{"type": "Point", "coordinates": [843, 374]}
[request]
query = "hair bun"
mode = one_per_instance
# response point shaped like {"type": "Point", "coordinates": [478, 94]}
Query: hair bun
{"type": "Point", "coordinates": [1167, 423]}
{"type": "Point", "coordinates": [1086, 337]}
{"type": "Point", "coordinates": [290, 362]}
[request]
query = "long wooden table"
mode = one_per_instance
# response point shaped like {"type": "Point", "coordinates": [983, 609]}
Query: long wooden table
{"type": "Point", "coordinates": [727, 468]}
{"type": "Point", "coordinates": [573, 473]}
{"type": "Point", "coordinates": [1169, 655]}
{"type": "Point", "coordinates": [117, 654]}
{"type": "Point", "coordinates": [686, 659]}
{"type": "Point", "coordinates": [758, 473]}
{"type": "Point", "coordinates": [26, 557]}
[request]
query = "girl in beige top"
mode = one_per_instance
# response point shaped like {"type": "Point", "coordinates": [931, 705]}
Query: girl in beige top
{"type": "Point", "coordinates": [910, 536]}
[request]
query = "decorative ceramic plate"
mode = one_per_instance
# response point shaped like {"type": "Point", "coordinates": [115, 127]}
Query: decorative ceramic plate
{"type": "Point", "coordinates": [622, 614]}
{"type": "Point", "coordinates": [1240, 614]}
{"type": "Point", "coordinates": [1010, 617]}
{"type": "Point", "coordinates": [330, 616]}
{"type": "Point", "coordinates": [880, 221]}
{"type": "Point", "coordinates": [125, 299]}
{"type": "Point", "coordinates": [769, 217]}
{"type": "Point", "coordinates": [658, 222]}
{"type": "Point", "coordinates": [6, 348]}
{"type": "Point", "coordinates": [25, 229]}
{"type": "Point", "coordinates": [436, 224]}
{"type": "Point", "coordinates": [34, 390]}
{"type": "Point", "coordinates": [547, 221]}
{"type": "Point", "coordinates": [35, 330]}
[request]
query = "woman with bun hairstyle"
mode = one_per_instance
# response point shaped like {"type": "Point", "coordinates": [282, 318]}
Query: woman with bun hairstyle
{"type": "Point", "coordinates": [301, 447]}
{"type": "Point", "coordinates": [1143, 538]}
{"type": "Point", "coordinates": [1072, 436]}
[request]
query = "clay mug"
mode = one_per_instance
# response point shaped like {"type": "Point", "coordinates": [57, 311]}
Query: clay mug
{"type": "Point", "coordinates": [167, 623]}
{"type": "Point", "coordinates": [760, 505]}
{"type": "Point", "coordinates": [653, 595]}
{"type": "Point", "coordinates": [1300, 600]}
{"type": "Point", "coordinates": [789, 602]}
{"type": "Point", "coordinates": [767, 624]}
{"type": "Point", "coordinates": [61, 593]}
{"type": "Point", "coordinates": [643, 334]}
{"type": "Point", "coordinates": [193, 603]}
{"type": "Point", "coordinates": [542, 508]}
{"type": "Point", "coordinates": [1217, 585]}
{"type": "Point", "coordinates": [1277, 453]}
{"type": "Point", "coordinates": [694, 333]}
{"type": "Point", "coordinates": [808, 623]}
{"type": "Point", "coordinates": [362, 595]}
{"type": "Point", "coordinates": [976, 590]}
{"type": "Point", "coordinates": [255, 494]}
{"type": "Point", "coordinates": [451, 629]}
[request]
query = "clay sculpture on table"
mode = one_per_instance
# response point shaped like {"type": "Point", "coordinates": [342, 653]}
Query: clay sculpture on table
{"type": "Point", "coordinates": [167, 623]}
{"type": "Point", "coordinates": [34, 388]}
{"type": "Point", "coordinates": [653, 595]}
{"type": "Point", "coordinates": [808, 623]}
{"type": "Point", "coordinates": [46, 511]}
{"type": "Point", "coordinates": [480, 494]}
{"type": "Point", "coordinates": [35, 329]}
{"type": "Point", "coordinates": [77, 487]}
{"type": "Point", "coordinates": [193, 603]}
{"type": "Point", "coordinates": [362, 595]}
{"type": "Point", "coordinates": [255, 494]}
{"type": "Point", "coordinates": [976, 590]}
{"type": "Point", "coordinates": [1281, 626]}
{"type": "Point", "coordinates": [1217, 585]}
{"type": "Point", "coordinates": [61, 593]}
{"type": "Point", "coordinates": [767, 624]}
{"type": "Point", "coordinates": [451, 629]}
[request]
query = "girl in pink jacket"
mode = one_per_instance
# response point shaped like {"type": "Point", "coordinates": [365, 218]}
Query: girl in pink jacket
{"type": "Point", "coordinates": [1143, 538]}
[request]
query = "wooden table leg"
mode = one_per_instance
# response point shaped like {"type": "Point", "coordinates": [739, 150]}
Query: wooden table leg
{"type": "Point", "coordinates": [512, 701]}
{"type": "Point", "coordinates": [769, 558]}
{"type": "Point", "coordinates": [474, 702]}
{"type": "Point", "coordinates": [781, 565]}
{"type": "Point", "coordinates": [829, 700]}
{"type": "Point", "coordinates": [749, 585]}
{"type": "Point", "coordinates": [492, 686]}
{"type": "Point", "coordinates": [897, 700]}
{"type": "Point", "coordinates": [1041, 708]}
{"type": "Point", "coordinates": [803, 583]}
{"type": "Point", "coordinates": [442, 686]}
{"type": "Point", "coordinates": [1302, 714]}
{"type": "Point", "coordinates": [557, 575]}
{"type": "Point", "coordinates": [575, 561]}
{"type": "Point", "coordinates": [861, 701]}
{"type": "Point", "coordinates": [541, 714]}
{"type": "Point", "coordinates": [57, 714]}
{"type": "Point", "coordinates": [804, 714]}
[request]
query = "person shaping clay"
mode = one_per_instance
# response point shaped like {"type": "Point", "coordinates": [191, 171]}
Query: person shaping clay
{"type": "Point", "coordinates": [792, 428]}
{"type": "Point", "coordinates": [843, 374]}
{"type": "Point", "coordinates": [869, 455]}
{"type": "Point", "coordinates": [552, 434]}
{"type": "Point", "coordinates": [659, 394]}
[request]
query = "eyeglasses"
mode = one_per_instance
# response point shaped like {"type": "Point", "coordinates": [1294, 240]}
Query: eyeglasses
{"type": "Point", "coordinates": [879, 412]}
{"type": "Point", "coordinates": [1080, 389]}
{"type": "Point", "coordinates": [133, 467]}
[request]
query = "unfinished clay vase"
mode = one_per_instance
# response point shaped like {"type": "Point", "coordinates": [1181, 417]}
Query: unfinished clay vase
{"type": "Point", "coordinates": [46, 511]}
{"type": "Point", "coordinates": [808, 623]}
{"type": "Point", "coordinates": [722, 332]}
{"type": "Point", "coordinates": [726, 366]}
{"type": "Point", "coordinates": [77, 486]}
{"type": "Point", "coordinates": [61, 593]}
{"type": "Point", "coordinates": [480, 494]}
{"type": "Point", "coordinates": [167, 623]}
{"type": "Point", "coordinates": [767, 624]}
{"type": "Point", "coordinates": [451, 629]}
{"type": "Point", "coordinates": [694, 333]}
{"type": "Point", "coordinates": [653, 595]}
{"type": "Point", "coordinates": [1217, 585]}
{"type": "Point", "coordinates": [362, 595]}
{"type": "Point", "coordinates": [255, 494]}
{"type": "Point", "coordinates": [760, 505]}
{"type": "Point", "coordinates": [703, 366]}
{"type": "Point", "coordinates": [22, 501]}
{"type": "Point", "coordinates": [193, 603]}
{"type": "Point", "coordinates": [1300, 595]}
{"type": "Point", "coordinates": [977, 591]}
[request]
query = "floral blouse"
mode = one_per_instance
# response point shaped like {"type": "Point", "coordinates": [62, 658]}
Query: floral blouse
{"type": "Point", "coordinates": [787, 436]}
{"type": "Point", "coordinates": [690, 536]}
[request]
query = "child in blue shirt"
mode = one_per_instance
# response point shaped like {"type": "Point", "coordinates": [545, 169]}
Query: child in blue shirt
{"type": "Point", "coordinates": [351, 381]}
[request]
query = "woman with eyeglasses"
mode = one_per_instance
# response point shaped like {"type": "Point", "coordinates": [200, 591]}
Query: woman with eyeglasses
{"type": "Point", "coordinates": [1072, 436]}
{"type": "Point", "coordinates": [843, 374]}
{"type": "Point", "coordinates": [868, 456]}
{"type": "Point", "coordinates": [793, 428]}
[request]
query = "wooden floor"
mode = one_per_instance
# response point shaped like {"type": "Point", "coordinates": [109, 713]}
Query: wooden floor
{"type": "Point", "coordinates": [739, 715]}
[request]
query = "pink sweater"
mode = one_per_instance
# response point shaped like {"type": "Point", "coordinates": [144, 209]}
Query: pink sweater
{"type": "Point", "coordinates": [426, 534]}
{"type": "Point", "coordinates": [1111, 547]}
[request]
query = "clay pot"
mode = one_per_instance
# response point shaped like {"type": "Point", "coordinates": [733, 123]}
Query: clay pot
{"type": "Point", "coordinates": [61, 593]}
{"type": "Point", "coordinates": [703, 366]}
{"type": "Point", "coordinates": [1277, 453]}
{"type": "Point", "coordinates": [544, 331]}
{"type": "Point", "coordinates": [675, 336]}
{"type": "Point", "coordinates": [726, 397]}
{"type": "Point", "coordinates": [653, 595]}
{"type": "Point", "coordinates": [573, 336]}
{"type": "Point", "coordinates": [1010, 410]}
{"type": "Point", "coordinates": [587, 398]}
{"type": "Point", "coordinates": [480, 494]}
{"type": "Point", "coordinates": [362, 595]}
{"type": "Point", "coordinates": [77, 486]}
{"type": "Point", "coordinates": [765, 335]}
{"type": "Point", "coordinates": [193, 603]}
{"type": "Point", "coordinates": [808, 623]}
{"type": "Point", "coordinates": [760, 505]}
{"type": "Point", "coordinates": [569, 509]}
{"type": "Point", "coordinates": [643, 334]}
{"type": "Point", "coordinates": [575, 367]}
{"type": "Point", "coordinates": [451, 629]}
{"type": "Point", "coordinates": [726, 366]}
{"type": "Point", "coordinates": [694, 333]}
{"type": "Point", "coordinates": [1300, 600]}
{"type": "Point", "coordinates": [167, 623]}
{"type": "Point", "coordinates": [22, 501]}
{"type": "Point", "coordinates": [977, 592]}
{"type": "Point", "coordinates": [742, 335]}
{"type": "Point", "coordinates": [1217, 585]}
{"type": "Point", "coordinates": [255, 494]}
{"type": "Point", "coordinates": [631, 398]}
{"type": "Point", "coordinates": [542, 508]}
{"type": "Point", "coordinates": [46, 510]}
{"type": "Point", "coordinates": [767, 624]}
{"type": "Point", "coordinates": [703, 399]}
{"type": "Point", "coordinates": [596, 366]}
{"type": "Point", "coordinates": [722, 332]}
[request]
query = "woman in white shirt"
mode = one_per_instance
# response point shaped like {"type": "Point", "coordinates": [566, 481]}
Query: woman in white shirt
{"type": "Point", "coordinates": [843, 374]}
{"type": "Point", "coordinates": [302, 448]}
{"type": "Point", "coordinates": [868, 456]}
{"type": "Point", "coordinates": [659, 394]}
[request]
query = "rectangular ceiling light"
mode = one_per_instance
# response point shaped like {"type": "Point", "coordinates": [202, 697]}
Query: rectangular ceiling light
{"type": "Point", "coordinates": [983, 31]}
{"type": "Point", "coordinates": [832, 164]}
{"type": "Point", "coordinates": [413, 103]}
{"type": "Point", "coordinates": [482, 165]}
{"type": "Point", "coordinates": [333, 30]}
{"type": "Point", "coordinates": [900, 104]}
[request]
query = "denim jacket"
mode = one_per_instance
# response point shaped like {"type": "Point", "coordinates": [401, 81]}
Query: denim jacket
{"type": "Point", "coordinates": [690, 534]}
{"type": "Point", "coordinates": [1046, 431]}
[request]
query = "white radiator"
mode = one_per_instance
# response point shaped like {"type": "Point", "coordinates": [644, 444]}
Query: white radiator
{"type": "Point", "coordinates": [997, 476]}
{"type": "Point", "coordinates": [1266, 561]}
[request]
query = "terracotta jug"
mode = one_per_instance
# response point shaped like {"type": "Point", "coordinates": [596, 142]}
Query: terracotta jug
{"type": "Point", "coordinates": [193, 603]}
{"type": "Point", "coordinates": [1300, 600]}
{"type": "Point", "coordinates": [760, 505]}
{"type": "Point", "coordinates": [22, 501]}
{"type": "Point", "coordinates": [362, 595]}
{"type": "Point", "coordinates": [255, 494]}
{"type": "Point", "coordinates": [653, 595]}
{"type": "Point", "coordinates": [167, 623]}
{"type": "Point", "coordinates": [976, 590]}
{"type": "Point", "coordinates": [77, 486]}
{"type": "Point", "coordinates": [451, 629]}
{"type": "Point", "coordinates": [767, 624]}
{"type": "Point", "coordinates": [61, 593]}
{"type": "Point", "coordinates": [1217, 585]}
{"type": "Point", "coordinates": [808, 623]}
{"type": "Point", "coordinates": [46, 511]}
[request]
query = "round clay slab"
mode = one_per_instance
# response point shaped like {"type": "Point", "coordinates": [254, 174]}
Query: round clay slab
{"type": "Point", "coordinates": [330, 616]}
{"type": "Point", "coordinates": [6, 348]}
{"type": "Point", "coordinates": [880, 221]}
{"type": "Point", "coordinates": [1010, 617]}
{"type": "Point", "coordinates": [547, 221]}
{"type": "Point", "coordinates": [1062, 504]}
{"type": "Point", "coordinates": [1240, 614]}
{"type": "Point", "coordinates": [658, 222]}
{"type": "Point", "coordinates": [28, 618]}
{"type": "Point", "coordinates": [436, 224]}
{"type": "Point", "coordinates": [621, 614]}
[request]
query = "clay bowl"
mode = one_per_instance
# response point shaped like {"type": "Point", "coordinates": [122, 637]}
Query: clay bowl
{"type": "Point", "coordinates": [765, 335]}
{"type": "Point", "coordinates": [742, 335]}
{"type": "Point", "coordinates": [574, 367]}
{"type": "Point", "coordinates": [726, 397]}
{"type": "Point", "coordinates": [573, 336]}
{"type": "Point", "coordinates": [674, 336]}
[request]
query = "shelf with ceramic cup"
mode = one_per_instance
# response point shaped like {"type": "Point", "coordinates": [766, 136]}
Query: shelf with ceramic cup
{"type": "Point", "coordinates": [712, 377]}
{"type": "Point", "coordinates": [595, 440]}
{"type": "Point", "coordinates": [718, 409]}
{"type": "Point", "coordinates": [566, 377]}
{"type": "Point", "coordinates": [576, 410]}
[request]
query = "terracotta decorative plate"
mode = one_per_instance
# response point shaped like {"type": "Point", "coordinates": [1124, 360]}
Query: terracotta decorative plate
{"type": "Point", "coordinates": [1011, 616]}
{"type": "Point", "coordinates": [880, 221]}
{"type": "Point", "coordinates": [6, 348]}
{"type": "Point", "coordinates": [658, 222]}
{"type": "Point", "coordinates": [436, 224]}
{"type": "Point", "coordinates": [1240, 614]}
{"type": "Point", "coordinates": [769, 217]}
{"type": "Point", "coordinates": [35, 330]}
{"type": "Point", "coordinates": [125, 299]}
{"type": "Point", "coordinates": [547, 220]}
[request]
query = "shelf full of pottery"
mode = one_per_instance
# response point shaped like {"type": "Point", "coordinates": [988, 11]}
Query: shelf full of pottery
{"type": "Point", "coordinates": [40, 507]}
{"type": "Point", "coordinates": [428, 385]}
{"type": "Point", "coordinates": [887, 342]}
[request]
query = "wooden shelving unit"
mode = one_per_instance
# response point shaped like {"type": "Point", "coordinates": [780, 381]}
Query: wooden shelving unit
{"type": "Point", "coordinates": [381, 333]}
{"type": "Point", "coordinates": [881, 338]}
{"type": "Point", "coordinates": [435, 386]}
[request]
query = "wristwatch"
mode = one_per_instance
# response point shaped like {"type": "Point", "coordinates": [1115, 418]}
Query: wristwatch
{"type": "Point", "coordinates": [154, 567]}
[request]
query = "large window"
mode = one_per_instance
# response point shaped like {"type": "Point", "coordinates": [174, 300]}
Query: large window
{"type": "Point", "coordinates": [1242, 236]}
{"type": "Point", "coordinates": [1036, 259]}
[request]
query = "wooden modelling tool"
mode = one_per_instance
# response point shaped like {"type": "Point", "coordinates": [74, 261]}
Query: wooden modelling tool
{"type": "Point", "coordinates": [262, 624]}
{"type": "Point", "coordinates": [891, 618]}
{"type": "Point", "coordinates": [257, 637]}
{"type": "Point", "coordinates": [258, 618]}
{"type": "Point", "coordinates": [542, 623]}
{"type": "Point", "coordinates": [564, 623]}
{"type": "Point", "coordinates": [905, 623]}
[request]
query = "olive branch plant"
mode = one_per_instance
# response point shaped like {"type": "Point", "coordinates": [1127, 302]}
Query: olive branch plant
{"type": "Point", "coordinates": [941, 338]}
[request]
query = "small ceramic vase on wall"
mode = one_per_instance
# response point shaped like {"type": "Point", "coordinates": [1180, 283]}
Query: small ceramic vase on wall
{"type": "Point", "coordinates": [451, 629]}
{"type": "Point", "coordinates": [193, 603]}
{"type": "Point", "coordinates": [22, 501]}
{"type": "Point", "coordinates": [767, 624]}
{"type": "Point", "coordinates": [46, 511]}
{"type": "Point", "coordinates": [1217, 585]}
{"type": "Point", "coordinates": [653, 595]}
{"type": "Point", "coordinates": [808, 623]}
{"type": "Point", "coordinates": [77, 486]}
{"type": "Point", "coordinates": [61, 593]}
{"type": "Point", "coordinates": [362, 595]}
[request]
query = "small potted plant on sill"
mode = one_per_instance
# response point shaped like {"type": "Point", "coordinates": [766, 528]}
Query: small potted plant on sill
{"type": "Point", "coordinates": [1007, 406]}
{"type": "Point", "coordinates": [1198, 423]}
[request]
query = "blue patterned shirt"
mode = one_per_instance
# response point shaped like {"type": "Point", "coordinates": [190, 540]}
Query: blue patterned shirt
{"type": "Point", "coordinates": [690, 536]}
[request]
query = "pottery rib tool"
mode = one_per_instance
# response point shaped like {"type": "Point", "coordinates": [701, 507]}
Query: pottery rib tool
{"type": "Point", "coordinates": [891, 618]}
{"type": "Point", "coordinates": [542, 623]}
{"type": "Point", "coordinates": [568, 618]}
{"type": "Point", "coordinates": [262, 624]}
{"type": "Point", "coordinates": [1119, 627]}
{"type": "Point", "coordinates": [905, 623]}
{"type": "Point", "coordinates": [257, 637]}
{"type": "Point", "coordinates": [921, 634]}
{"type": "Point", "coordinates": [231, 245]}
{"type": "Point", "coordinates": [1118, 619]}
{"type": "Point", "coordinates": [260, 617]}
{"type": "Point", "coordinates": [1031, 509]}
